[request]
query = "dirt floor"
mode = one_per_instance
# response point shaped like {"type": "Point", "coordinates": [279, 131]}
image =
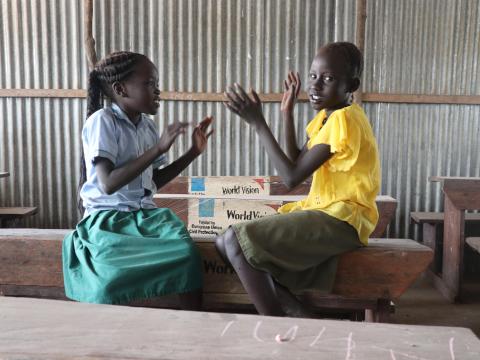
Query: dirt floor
{"type": "Point", "coordinates": [422, 304]}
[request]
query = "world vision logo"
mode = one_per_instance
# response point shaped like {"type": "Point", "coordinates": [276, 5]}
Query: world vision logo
{"type": "Point", "coordinates": [260, 182]}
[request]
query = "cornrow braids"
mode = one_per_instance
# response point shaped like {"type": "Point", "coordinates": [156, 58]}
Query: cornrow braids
{"type": "Point", "coordinates": [117, 66]}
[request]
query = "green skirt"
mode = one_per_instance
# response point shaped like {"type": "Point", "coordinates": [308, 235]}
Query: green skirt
{"type": "Point", "coordinates": [114, 257]}
{"type": "Point", "coordinates": [299, 249]}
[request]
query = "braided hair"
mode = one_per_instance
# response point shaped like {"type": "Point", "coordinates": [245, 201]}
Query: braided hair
{"type": "Point", "coordinates": [117, 66]}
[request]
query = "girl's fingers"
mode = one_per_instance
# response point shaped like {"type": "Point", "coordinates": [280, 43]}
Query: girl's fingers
{"type": "Point", "coordinates": [205, 123]}
{"type": "Point", "coordinates": [285, 85]}
{"type": "Point", "coordinates": [240, 99]}
{"type": "Point", "coordinates": [291, 94]}
{"type": "Point", "coordinates": [231, 98]}
{"type": "Point", "coordinates": [255, 96]}
{"type": "Point", "coordinates": [204, 127]}
{"type": "Point", "coordinates": [299, 84]}
{"type": "Point", "coordinates": [231, 108]}
{"type": "Point", "coordinates": [210, 133]}
{"type": "Point", "coordinates": [208, 120]}
{"type": "Point", "coordinates": [242, 93]}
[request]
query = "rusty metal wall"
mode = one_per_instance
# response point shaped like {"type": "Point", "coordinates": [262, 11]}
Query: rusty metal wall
{"type": "Point", "coordinates": [203, 45]}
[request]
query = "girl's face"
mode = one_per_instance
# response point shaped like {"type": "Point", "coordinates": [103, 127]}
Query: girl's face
{"type": "Point", "coordinates": [328, 86]}
{"type": "Point", "coordinates": [141, 89]}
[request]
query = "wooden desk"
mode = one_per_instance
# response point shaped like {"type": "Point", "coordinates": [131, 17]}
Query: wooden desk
{"type": "Point", "coordinates": [4, 174]}
{"type": "Point", "coordinates": [52, 329]}
{"type": "Point", "coordinates": [460, 194]}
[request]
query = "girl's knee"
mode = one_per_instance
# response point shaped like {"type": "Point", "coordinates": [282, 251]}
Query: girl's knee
{"type": "Point", "coordinates": [231, 245]}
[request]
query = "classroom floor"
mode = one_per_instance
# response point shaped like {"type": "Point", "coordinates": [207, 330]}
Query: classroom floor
{"type": "Point", "coordinates": [422, 304]}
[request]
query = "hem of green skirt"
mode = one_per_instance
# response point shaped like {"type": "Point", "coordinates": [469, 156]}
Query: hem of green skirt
{"type": "Point", "coordinates": [126, 298]}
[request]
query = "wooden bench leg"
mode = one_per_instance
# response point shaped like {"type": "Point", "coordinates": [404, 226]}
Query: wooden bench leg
{"type": "Point", "coordinates": [381, 313]}
{"type": "Point", "coordinates": [430, 240]}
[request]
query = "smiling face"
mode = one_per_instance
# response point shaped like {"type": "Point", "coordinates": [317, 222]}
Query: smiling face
{"type": "Point", "coordinates": [140, 90]}
{"type": "Point", "coordinates": [329, 86]}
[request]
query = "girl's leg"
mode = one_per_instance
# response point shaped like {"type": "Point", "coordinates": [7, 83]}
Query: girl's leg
{"type": "Point", "coordinates": [291, 304]}
{"type": "Point", "coordinates": [191, 300]}
{"type": "Point", "coordinates": [259, 284]}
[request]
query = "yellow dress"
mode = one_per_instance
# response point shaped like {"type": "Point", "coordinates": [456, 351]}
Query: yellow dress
{"type": "Point", "coordinates": [346, 186]}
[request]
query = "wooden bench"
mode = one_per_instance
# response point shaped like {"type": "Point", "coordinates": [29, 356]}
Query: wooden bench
{"type": "Point", "coordinates": [8, 215]}
{"type": "Point", "coordinates": [367, 279]}
{"type": "Point", "coordinates": [432, 224]}
{"type": "Point", "coordinates": [46, 329]}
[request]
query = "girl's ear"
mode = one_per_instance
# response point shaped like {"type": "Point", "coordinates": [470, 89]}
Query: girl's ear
{"type": "Point", "coordinates": [119, 89]}
{"type": "Point", "coordinates": [353, 85]}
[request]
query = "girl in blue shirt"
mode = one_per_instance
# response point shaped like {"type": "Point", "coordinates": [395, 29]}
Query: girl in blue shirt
{"type": "Point", "coordinates": [125, 248]}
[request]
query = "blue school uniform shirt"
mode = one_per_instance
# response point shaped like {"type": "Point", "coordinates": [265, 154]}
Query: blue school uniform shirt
{"type": "Point", "coordinates": [108, 133]}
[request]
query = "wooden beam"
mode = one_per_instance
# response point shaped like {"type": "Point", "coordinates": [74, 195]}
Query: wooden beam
{"type": "Point", "coordinates": [43, 93]}
{"type": "Point", "coordinates": [88, 35]}
{"type": "Point", "coordinates": [267, 98]}
{"type": "Point", "coordinates": [421, 99]}
{"type": "Point", "coordinates": [360, 20]}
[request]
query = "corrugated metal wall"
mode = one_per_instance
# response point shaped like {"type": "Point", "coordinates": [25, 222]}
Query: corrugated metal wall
{"type": "Point", "coordinates": [203, 45]}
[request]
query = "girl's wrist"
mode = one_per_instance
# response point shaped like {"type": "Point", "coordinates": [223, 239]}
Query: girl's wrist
{"type": "Point", "coordinates": [287, 113]}
{"type": "Point", "coordinates": [193, 152]}
{"type": "Point", "coordinates": [260, 125]}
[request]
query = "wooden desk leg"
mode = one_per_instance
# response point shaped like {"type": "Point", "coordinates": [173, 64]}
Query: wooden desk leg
{"type": "Point", "coordinates": [430, 240]}
{"type": "Point", "coordinates": [453, 246]}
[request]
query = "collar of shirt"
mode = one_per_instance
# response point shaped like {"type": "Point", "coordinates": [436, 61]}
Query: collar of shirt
{"type": "Point", "coordinates": [120, 114]}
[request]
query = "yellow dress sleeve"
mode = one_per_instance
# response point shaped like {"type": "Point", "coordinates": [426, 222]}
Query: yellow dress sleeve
{"type": "Point", "coordinates": [344, 137]}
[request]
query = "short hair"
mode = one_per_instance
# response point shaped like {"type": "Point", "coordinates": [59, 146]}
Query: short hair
{"type": "Point", "coordinates": [350, 53]}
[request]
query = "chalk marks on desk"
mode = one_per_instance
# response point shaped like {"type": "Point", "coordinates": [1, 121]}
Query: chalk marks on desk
{"type": "Point", "coordinates": [225, 329]}
{"type": "Point", "coordinates": [350, 345]}
{"type": "Point", "coordinates": [255, 331]}
{"type": "Point", "coordinates": [317, 337]}
{"type": "Point", "coordinates": [450, 345]}
{"type": "Point", "coordinates": [290, 335]}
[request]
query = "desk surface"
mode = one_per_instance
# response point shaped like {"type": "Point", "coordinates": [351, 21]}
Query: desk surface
{"type": "Point", "coordinates": [50, 329]}
{"type": "Point", "coordinates": [381, 198]}
{"type": "Point", "coordinates": [443, 178]}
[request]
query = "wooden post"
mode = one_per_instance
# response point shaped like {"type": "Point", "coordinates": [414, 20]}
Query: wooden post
{"type": "Point", "coordinates": [88, 37]}
{"type": "Point", "coordinates": [360, 20]}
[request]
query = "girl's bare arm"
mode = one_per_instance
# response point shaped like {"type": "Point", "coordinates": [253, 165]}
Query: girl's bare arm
{"type": "Point", "coordinates": [291, 90]}
{"type": "Point", "coordinates": [113, 178]}
{"type": "Point", "coordinates": [291, 172]}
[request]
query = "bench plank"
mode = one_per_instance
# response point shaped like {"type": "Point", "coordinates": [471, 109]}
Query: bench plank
{"type": "Point", "coordinates": [384, 269]}
{"type": "Point", "coordinates": [17, 212]}
{"type": "Point", "coordinates": [438, 217]}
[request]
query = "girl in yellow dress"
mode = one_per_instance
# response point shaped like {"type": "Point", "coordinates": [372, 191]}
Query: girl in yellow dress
{"type": "Point", "coordinates": [298, 249]}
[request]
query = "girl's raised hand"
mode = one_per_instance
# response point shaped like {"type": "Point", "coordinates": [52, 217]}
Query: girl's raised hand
{"type": "Point", "coordinates": [247, 107]}
{"type": "Point", "coordinates": [292, 87]}
{"type": "Point", "coordinates": [200, 135]}
{"type": "Point", "coordinates": [170, 134]}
